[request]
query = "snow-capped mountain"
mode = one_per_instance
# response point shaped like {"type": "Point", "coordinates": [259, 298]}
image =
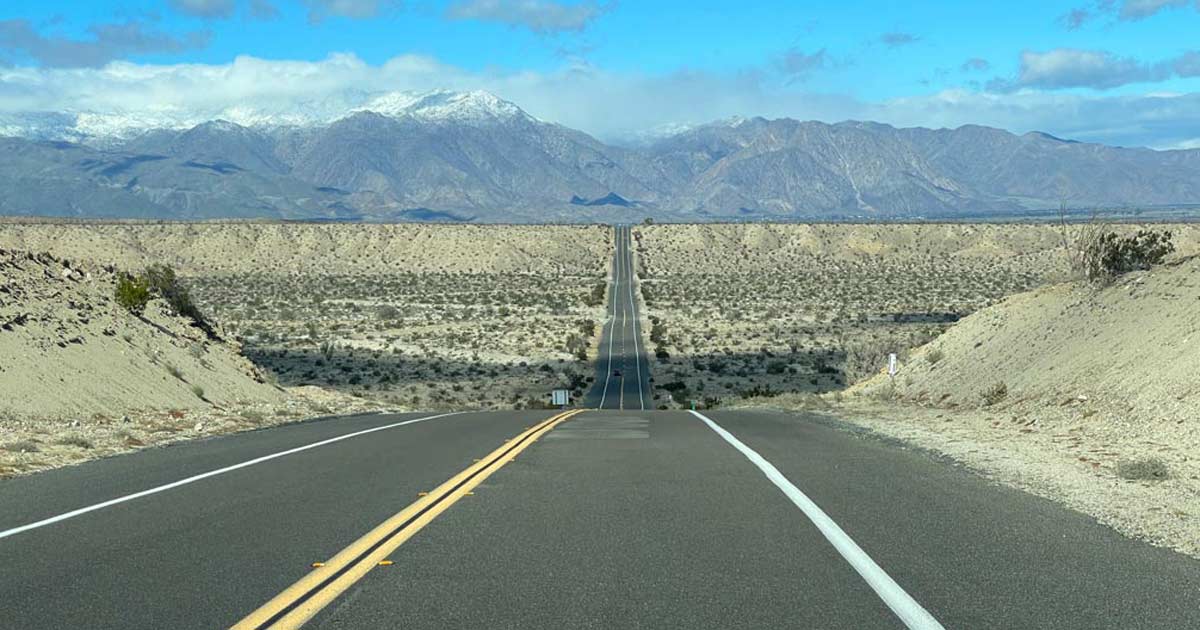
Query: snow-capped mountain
{"type": "Point", "coordinates": [446, 155]}
{"type": "Point", "coordinates": [445, 106]}
{"type": "Point", "coordinates": [110, 128]}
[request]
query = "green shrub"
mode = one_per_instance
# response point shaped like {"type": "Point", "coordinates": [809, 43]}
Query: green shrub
{"type": "Point", "coordinates": [198, 391]}
{"type": "Point", "coordinates": [132, 293]}
{"type": "Point", "coordinates": [161, 279]}
{"type": "Point", "coordinates": [1103, 255]}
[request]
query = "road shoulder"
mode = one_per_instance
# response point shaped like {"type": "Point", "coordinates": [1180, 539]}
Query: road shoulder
{"type": "Point", "coordinates": [1072, 468]}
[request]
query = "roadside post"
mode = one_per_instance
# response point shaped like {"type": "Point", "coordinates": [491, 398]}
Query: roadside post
{"type": "Point", "coordinates": [892, 365]}
{"type": "Point", "coordinates": [560, 397]}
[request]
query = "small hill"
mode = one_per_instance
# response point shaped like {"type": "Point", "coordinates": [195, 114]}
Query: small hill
{"type": "Point", "coordinates": [1130, 350]}
{"type": "Point", "coordinates": [67, 348]}
{"type": "Point", "coordinates": [1081, 394]}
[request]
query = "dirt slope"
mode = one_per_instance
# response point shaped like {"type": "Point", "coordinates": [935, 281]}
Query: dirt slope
{"type": "Point", "coordinates": [1097, 382]}
{"type": "Point", "coordinates": [66, 347]}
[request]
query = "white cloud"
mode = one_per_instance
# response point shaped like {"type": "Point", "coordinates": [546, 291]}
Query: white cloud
{"type": "Point", "coordinates": [211, 9]}
{"type": "Point", "coordinates": [248, 89]}
{"type": "Point", "coordinates": [107, 42]}
{"type": "Point", "coordinates": [539, 16]}
{"type": "Point", "coordinates": [1063, 68]}
{"type": "Point", "coordinates": [1071, 67]}
{"type": "Point", "coordinates": [1124, 10]}
{"type": "Point", "coordinates": [1142, 9]}
{"type": "Point", "coordinates": [318, 10]}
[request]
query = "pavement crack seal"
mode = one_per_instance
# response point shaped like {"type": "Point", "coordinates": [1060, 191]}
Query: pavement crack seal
{"type": "Point", "coordinates": [301, 601]}
{"type": "Point", "coordinates": [911, 613]}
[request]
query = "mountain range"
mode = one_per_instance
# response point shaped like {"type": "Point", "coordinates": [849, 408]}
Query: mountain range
{"type": "Point", "coordinates": [453, 156]}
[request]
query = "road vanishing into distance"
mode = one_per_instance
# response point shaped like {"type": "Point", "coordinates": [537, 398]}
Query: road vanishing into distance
{"type": "Point", "coordinates": [585, 518]}
{"type": "Point", "coordinates": [622, 374]}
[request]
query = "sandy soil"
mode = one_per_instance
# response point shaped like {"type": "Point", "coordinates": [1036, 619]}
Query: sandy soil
{"type": "Point", "coordinates": [81, 377]}
{"type": "Point", "coordinates": [1081, 393]}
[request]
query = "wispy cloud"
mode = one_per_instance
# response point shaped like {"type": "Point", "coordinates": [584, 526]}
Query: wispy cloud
{"type": "Point", "coordinates": [263, 10]}
{"type": "Point", "coordinates": [796, 63]}
{"type": "Point", "coordinates": [539, 16]}
{"type": "Point", "coordinates": [319, 10]}
{"type": "Point", "coordinates": [1097, 69]}
{"type": "Point", "coordinates": [109, 41]}
{"type": "Point", "coordinates": [896, 39]}
{"type": "Point", "coordinates": [975, 64]}
{"type": "Point", "coordinates": [210, 9]}
{"type": "Point", "coordinates": [1121, 10]}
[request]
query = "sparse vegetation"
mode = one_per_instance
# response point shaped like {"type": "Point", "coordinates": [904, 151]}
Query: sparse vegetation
{"type": "Point", "coordinates": [132, 293]}
{"type": "Point", "coordinates": [994, 394]}
{"type": "Point", "coordinates": [77, 441]}
{"type": "Point", "coordinates": [1100, 254]}
{"type": "Point", "coordinates": [21, 446]}
{"type": "Point", "coordinates": [1144, 469]}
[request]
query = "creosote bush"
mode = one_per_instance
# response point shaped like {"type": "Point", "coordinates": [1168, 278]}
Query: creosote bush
{"type": "Point", "coordinates": [1101, 255]}
{"type": "Point", "coordinates": [132, 293]}
{"type": "Point", "coordinates": [1147, 469]}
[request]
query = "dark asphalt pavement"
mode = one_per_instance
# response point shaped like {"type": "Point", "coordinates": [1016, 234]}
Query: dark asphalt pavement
{"type": "Point", "coordinates": [614, 519]}
{"type": "Point", "coordinates": [622, 374]}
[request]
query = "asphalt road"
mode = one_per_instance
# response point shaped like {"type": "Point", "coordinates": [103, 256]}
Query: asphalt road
{"type": "Point", "coordinates": [620, 517]}
{"type": "Point", "coordinates": [622, 375]}
{"type": "Point", "coordinates": [611, 519]}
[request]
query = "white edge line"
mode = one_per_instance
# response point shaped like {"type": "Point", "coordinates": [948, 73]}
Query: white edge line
{"type": "Point", "coordinates": [613, 321]}
{"type": "Point", "coordinates": [637, 354]}
{"type": "Point", "coordinates": [211, 473]}
{"type": "Point", "coordinates": [914, 616]}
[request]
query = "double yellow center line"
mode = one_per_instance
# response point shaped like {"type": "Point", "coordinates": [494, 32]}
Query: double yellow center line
{"type": "Point", "coordinates": [304, 599]}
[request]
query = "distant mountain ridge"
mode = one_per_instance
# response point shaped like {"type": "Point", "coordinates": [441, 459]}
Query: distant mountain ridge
{"type": "Point", "coordinates": [455, 156]}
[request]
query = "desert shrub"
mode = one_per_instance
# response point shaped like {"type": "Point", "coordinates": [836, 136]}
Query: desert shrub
{"type": "Point", "coordinates": [759, 391]}
{"type": "Point", "coordinates": [132, 293]}
{"type": "Point", "coordinates": [596, 297]}
{"type": "Point", "coordinates": [1145, 469]}
{"type": "Point", "coordinates": [174, 371]}
{"type": "Point", "coordinates": [1101, 255]}
{"type": "Point", "coordinates": [198, 391]}
{"type": "Point", "coordinates": [74, 440]}
{"type": "Point", "coordinates": [994, 394]}
{"type": "Point", "coordinates": [387, 312]}
{"type": "Point", "coordinates": [161, 279]}
{"type": "Point", "coordinates": [934, 355]}
{"type": "Point", "coordinates": [21, 446]}
{"type": "Point", "coordinates": [251, 415]}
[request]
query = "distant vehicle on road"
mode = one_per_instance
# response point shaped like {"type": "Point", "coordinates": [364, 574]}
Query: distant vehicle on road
{"type": "Point", "coordinates": [616, 372]}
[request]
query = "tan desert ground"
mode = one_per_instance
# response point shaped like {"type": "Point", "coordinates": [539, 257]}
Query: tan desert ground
{"type": "Point", "coordinates": [315, 318]}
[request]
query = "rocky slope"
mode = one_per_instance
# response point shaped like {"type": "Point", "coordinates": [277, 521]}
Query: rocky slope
{"type": "Point", "coordinates": [67, 348]}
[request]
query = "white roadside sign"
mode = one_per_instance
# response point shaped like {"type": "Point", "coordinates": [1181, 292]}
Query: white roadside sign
{"type": "Point", "coordinates": [560, 397]}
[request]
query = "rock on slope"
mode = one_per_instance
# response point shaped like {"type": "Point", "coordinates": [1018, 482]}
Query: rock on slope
{"type": "Point", "coordinates": [67, 347]}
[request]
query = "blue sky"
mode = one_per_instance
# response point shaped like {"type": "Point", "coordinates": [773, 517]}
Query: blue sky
{"type": "Point", "coordinates": [1118, 71]}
